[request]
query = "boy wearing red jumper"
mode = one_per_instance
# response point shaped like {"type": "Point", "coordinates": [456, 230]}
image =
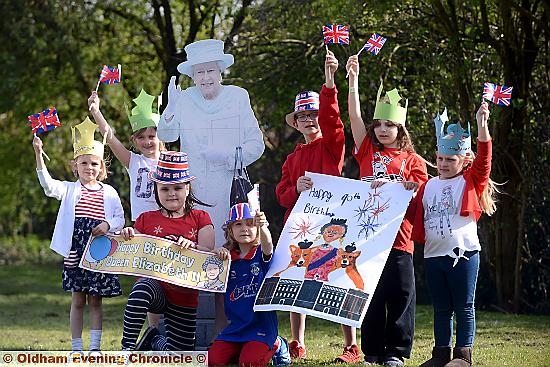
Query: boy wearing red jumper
{"type": "Point", "coordinates": [317, 117]}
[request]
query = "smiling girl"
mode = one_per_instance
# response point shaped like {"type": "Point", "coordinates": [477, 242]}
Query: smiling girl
{"type": "Point", "coordinates": [385, 153]}
{"type": "Point", "coordinates": [447, 210]}
{"type": "Point", "coordinates": [88, 208]}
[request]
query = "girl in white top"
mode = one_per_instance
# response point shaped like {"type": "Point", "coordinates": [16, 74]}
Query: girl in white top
{"type": "Point", "coordinates": [447, 209]}
{"type": "Point", "coordinates": [88, 207]}
{"type": "Point", "coordinates": [144, 139]}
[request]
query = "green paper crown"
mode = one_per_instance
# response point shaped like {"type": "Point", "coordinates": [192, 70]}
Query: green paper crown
{"type": "Point", "coordinates": [388, 108]}
{"type": "Point", "coordinates": [142, 114]}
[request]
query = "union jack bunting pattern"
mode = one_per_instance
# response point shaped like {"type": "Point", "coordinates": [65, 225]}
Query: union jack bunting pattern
{"type": "Point", "coordinates": [497, 94]}
{"type": "Point", "coordinates": [44, 121]}
{"type": "Point", "coordinates": [110, 75]}
{"type": "Point", "coordinates": [375, 44]}
{"type": "Point", "coordinates": [335, 33]}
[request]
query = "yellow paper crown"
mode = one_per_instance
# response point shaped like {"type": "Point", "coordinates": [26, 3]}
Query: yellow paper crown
{"type": "Point", "coordinates": [388, 108]}
{"type": "Point", "coordinates": [142, 114]}
{"type": "Point", "coordinates": [83, 139]}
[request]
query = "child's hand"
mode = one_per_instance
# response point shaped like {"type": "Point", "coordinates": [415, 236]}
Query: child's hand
{"type": "Point", "coordinates": [331, 65]}
{"type": "Point", "coordinates": [482, 115]}
{"type": "Point", "coordinates": [378, 183]}
{"type": "Point", "coordinates": [221, 252]}
{"type": "Point", "coordinates": [303, 183]}
{"type": "Point", "coordinates": [352, 66]}
{"type": "Point", "coordinates": [37, 144]}
{"type": "Point", "coordinates": [101, 229]}
{"type": "Point", "coordinates": [260, 219]}
{"type": "Point", "coordinates": [128, 233]}
{"type": "Point", "coordinates": [185, 243]}
{"type": "Point", "coordinates": [410, 185]}
{"type": "Point", "coordinates": [93, 102]}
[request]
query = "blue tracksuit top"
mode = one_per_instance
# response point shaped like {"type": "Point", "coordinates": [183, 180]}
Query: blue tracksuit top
{"type": "Point", "coordinates": [245, 278]}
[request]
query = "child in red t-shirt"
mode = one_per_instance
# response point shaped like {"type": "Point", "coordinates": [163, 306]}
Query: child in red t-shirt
{"type": "Point", "coordinates": [191, 228]}
{"type": "Point", "coordinates": [385, 153]}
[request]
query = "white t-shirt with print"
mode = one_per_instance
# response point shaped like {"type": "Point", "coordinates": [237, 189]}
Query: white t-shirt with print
{"type": "Point", "coordinates": [445, 228]}
{"type": "Point", "coordinates": [142, 197]}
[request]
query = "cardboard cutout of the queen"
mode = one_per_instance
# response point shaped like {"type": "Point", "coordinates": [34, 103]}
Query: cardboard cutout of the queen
{"type": "Point", "coordinates": [211, 120]}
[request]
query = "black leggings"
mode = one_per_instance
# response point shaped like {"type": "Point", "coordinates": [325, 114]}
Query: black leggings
{"type": "Point", "coordinates": [147, 295]}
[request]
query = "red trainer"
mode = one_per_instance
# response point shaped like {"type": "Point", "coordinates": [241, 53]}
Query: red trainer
{"type": "Point", "coordinates": [350, 354]}
{"type": "Point", "coordinates": [297, 350]}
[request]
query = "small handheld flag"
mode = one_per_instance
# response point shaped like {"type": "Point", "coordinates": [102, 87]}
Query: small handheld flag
{"type": "Point", "coordinates": [500, 95]}
{"type": "Point", "coordinates": [44, 121]}
{"type": "Point", "coordinates": [335, 33]}
{"type": "Point", "coordinates": [374, 44]}
{"type": "Point", "coordinates": [109, 75]}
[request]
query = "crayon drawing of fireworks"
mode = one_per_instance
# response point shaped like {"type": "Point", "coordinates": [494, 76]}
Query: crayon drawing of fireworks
{"type": "Point", "coordinates": [302, 228]}
{"type": "Point", "coordinates": [367, 226]}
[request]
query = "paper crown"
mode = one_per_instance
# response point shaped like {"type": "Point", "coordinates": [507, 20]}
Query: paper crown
{"type": "Point", "coordinates": [456, 140]}
{"type": "Point", "coordinates": [239, 211]}
{"type": "Point", "coordinates": [388, 108]}
{"type": "Point", "coordinates": [304, 101]}
{"type": "Point", "coordinates": [172, 168]}
{"type": "Point", "coordinates": [204, 51]}
{"type": "Point", "coordinates": [83, 139]}
{"type": "Point", "coordinates": [142, 114]}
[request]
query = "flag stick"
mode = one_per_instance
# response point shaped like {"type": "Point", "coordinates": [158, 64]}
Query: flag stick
{"type": "Point", "coordinates": [45, 155]}
{"type": "Point", "coordinates": [98, 81]}
{"type": "Point", "coordinates": [42, 151]}
{"type": "Point", "coordinates": [326, 47]}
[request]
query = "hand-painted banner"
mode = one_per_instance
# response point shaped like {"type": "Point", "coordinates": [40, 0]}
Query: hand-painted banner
{"type": "Point", "coordinates": [156, 258]}
{"type": "Point", "coordinates": [333, 249]}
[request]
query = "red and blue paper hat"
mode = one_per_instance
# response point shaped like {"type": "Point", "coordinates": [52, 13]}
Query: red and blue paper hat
{"type": "Point", "coordinates": [239, 211]}
{"type": "Point", "coordinates": [172, 168]}
{"type": "Point", "coordinates": [304, 101]}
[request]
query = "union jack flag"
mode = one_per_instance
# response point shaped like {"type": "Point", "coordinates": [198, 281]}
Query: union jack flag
{"type": "Point", "coordinates": [335, 33]}
{"type": "Point", "coordinates": [497, 94]}
{"type": "Point", "coordinates": [375, 44]}
{"type": "Point", "coordinates": [44, 121]}
{"type": "Point", "coordinates": [110, 75]}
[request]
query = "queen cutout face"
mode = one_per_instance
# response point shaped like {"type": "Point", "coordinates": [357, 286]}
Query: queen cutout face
{"type": "Point", "coordinates": [207, 77]}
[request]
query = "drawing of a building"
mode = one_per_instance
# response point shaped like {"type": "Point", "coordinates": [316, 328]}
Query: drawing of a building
{"type": "Point", "coordinates": [315, 295]}
{"type": "Point", "coordinates": [330, 299]}
{"type": "Point", "coordinates": [308, 294]}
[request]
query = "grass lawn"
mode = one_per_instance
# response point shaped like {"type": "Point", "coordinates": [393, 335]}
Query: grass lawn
{"type": "Point", "coordinates": [34, 315]}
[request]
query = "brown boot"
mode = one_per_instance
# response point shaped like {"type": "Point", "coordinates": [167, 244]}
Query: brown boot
{"type": "Point", "coordinates": [462, 357]}
{"type": "Point", "coordinates": [440, 356]}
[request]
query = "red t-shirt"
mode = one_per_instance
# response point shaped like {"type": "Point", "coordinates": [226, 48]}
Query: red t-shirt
{"type": "Point", "coordinates": [155, 224]}
{"type": "Point", "coordinates": [394, 165]}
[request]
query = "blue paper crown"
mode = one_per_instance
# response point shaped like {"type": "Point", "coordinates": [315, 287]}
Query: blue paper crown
{"type": "Point", "coordinates": [456, 140]}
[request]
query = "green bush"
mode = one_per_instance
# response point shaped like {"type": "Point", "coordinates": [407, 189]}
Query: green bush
{"type": "Point", "coordinates": [26, 250]}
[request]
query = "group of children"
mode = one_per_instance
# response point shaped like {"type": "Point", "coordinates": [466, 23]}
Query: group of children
{"type": "Point", "coordinates": [442, 214]}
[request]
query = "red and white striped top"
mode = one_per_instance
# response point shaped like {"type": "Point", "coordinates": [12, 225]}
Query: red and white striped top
{"type": "Point", "coordinates": [90, 204]}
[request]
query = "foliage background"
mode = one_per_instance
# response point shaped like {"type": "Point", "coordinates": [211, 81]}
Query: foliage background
{"type": "Point", "coordinates": [438, 54]}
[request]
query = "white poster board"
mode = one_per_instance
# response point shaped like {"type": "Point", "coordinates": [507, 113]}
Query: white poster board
{"type": "Point", "coordinates": [333, 248]}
